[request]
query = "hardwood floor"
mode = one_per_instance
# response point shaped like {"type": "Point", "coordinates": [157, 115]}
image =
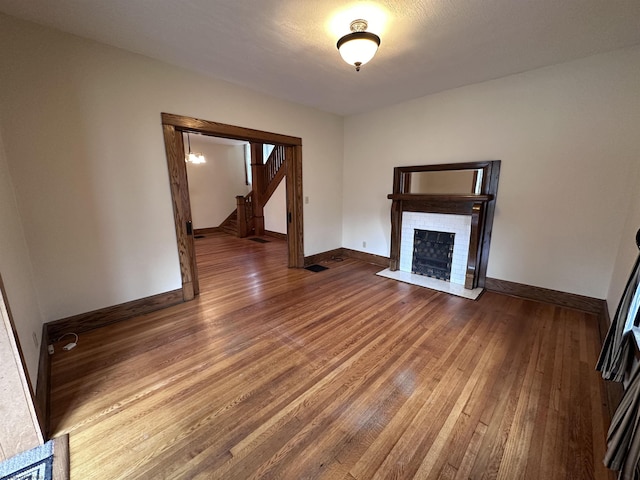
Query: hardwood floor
{"type": "Point", "coordinates": [290, 374]}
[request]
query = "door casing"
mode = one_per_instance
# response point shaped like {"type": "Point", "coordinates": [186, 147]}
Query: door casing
{"type": "Point", "coordinates": [173, 127]}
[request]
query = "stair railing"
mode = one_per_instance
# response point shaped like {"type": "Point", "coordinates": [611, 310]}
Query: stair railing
{"type": "Point", "coordinates": [272, 165]}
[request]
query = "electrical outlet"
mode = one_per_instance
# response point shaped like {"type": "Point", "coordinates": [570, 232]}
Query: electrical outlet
{"type": "Point", "coordinates": [306, 199]}
{"type": "Point", "coordinates": [35, 338]}
{"type": "Point", "coordinates": [364, 244]}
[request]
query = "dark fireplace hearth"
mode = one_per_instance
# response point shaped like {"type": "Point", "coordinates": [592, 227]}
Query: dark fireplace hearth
{"type": "Point", "coordinates": [432, 254]}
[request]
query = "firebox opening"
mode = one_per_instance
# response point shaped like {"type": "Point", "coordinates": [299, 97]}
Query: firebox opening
{"type": "Point", "coordinates": [433, 254]}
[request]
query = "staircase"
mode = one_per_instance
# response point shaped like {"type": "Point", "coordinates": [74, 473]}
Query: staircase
{"type": "Point", "coordinates": [248, 219]}
{"type": "Point", "coordinates": [230, 225]}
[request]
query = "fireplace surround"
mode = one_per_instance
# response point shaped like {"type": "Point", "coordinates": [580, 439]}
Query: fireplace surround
{"type": "Point", "coordinates": [478, 205]}
{"type": "Point", "coordinates": [433, 253]}
{"type": "Point", "coordinates": [459, 225]}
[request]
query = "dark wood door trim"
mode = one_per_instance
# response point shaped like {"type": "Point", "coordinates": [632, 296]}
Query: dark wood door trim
{"type": "Point", "coordinates": [190, 124]}
{"type": "Point", "coordinates": [173, 127]}
{"type": "Point", "coordinates": [293, 178]}
{"type": "Point", "coordinates": [181, 209]}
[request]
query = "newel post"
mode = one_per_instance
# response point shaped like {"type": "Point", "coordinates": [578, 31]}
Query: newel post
{"type": "Point", "coordinates": [242, 216]}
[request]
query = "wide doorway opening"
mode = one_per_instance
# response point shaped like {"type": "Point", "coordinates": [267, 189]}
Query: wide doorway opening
{"type": "Point", "coordinates": [174, 128]}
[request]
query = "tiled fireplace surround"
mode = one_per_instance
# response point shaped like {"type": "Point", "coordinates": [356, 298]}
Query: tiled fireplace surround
{"type": "Point", "coordinates": [458, 224]}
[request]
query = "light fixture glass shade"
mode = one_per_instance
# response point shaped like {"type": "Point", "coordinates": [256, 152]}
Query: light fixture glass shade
{"type": "Point", "coordinates": [192, 157]}
{"type": "Point", "coordinates": [358, 48]}
{"type": "Point", "coordinates": [196, 158]}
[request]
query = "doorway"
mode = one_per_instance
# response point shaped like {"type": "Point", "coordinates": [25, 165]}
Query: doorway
{"type": "Point", "coordinates": [173, 127]}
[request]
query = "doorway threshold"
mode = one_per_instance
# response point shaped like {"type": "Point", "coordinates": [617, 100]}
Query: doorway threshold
{"type": "Point", "coordinates": [432, 283]}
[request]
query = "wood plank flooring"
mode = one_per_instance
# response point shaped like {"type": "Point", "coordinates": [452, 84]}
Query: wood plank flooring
{"type": "Point", "coordinates": [276, 373]}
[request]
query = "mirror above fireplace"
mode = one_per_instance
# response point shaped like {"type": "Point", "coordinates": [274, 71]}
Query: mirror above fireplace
{"type": "Point", "coordinates": [463, 182]}
{"type": "Point", "coordinates": [464, 190]}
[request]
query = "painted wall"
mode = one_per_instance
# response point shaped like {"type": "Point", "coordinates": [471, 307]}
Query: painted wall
{"type": "Point", "coordinates": [275, 211]}
{"type": "Point", "coordinates": [84, 146]}
{"type": "Point", "coordinates": [16, 273]}
{"type": "Point", "coordinates": [213, 185]}
{"type": "Point", "coordinates": [627, 251]}
{"type": "Point", "coordinates": [568, 139]}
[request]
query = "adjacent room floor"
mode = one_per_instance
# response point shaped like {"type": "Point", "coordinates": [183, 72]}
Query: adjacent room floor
{"type": "Point", "coordinates": [341, 374]}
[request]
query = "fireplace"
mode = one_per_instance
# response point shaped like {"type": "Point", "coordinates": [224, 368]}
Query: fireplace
{"type": "Point", "coordinates": [457, 225]}
{"type": "Point", "coordinates": [465, 218]}
{"type": "Point", "coordinates": [432, 254]}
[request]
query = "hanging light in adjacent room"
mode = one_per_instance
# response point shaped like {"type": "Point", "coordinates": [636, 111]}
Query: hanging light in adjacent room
{"type": "Point", "coordinates": [193, 157]}
{"type": "Point", "coordinates": [358, 47]}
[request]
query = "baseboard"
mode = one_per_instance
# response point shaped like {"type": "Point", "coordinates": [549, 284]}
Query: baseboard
{"type": "Point", "coordinates": [563, 299]}
{"type": "Point", "coordinates": [347, 252]}
{"type": "Point", "coordinates": [367, 257]}
{"type": "Point", "coordinates": [105, 316]}
{"type": "Point", "coordinates": [323, 257]}
{"type": "Point", "coordinates": [204, 231]}
{"type": "Point", "coordinates": [43, 387]}
{"type": "Point", "coordinates": [604, 321]}
{"type": "Point", "coordinates": [278, 235]}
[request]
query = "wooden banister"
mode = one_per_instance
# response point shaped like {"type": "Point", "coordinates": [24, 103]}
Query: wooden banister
{"type": "Point", "coordinates": [245, 214]}
{"type": "Point", "coordinates": [272, 166]}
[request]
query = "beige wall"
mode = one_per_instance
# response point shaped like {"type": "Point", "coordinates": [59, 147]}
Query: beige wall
{"type": "Point", "coordinates": [16, 272]}
{"type": "Point", "coordinates": [84, 146]}
{"type": "Point", "coordinates": [275, 211]}
{"type": "Point", "coordinates": [213, 185]}
{"type": "Point", "coordinates": [568, 139]}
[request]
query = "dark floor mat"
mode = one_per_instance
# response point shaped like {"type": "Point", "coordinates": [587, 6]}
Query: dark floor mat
{"type": "Point", "coordinates": [259, 240]}
{"type": "Point", "coordinates": [316, 268]}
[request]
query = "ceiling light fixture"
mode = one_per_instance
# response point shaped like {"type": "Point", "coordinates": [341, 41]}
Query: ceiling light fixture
{"type": "Point", "coordinates": [192, 157]}
{"type": "Point", "coordinates": [358, 47]}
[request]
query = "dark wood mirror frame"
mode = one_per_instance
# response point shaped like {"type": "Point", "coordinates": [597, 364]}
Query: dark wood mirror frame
{"type": "Point", "coordinates": [480, 206]}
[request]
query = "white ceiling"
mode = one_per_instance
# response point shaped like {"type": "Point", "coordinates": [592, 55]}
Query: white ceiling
{"type": "Point", "coordinates": [286, 48]}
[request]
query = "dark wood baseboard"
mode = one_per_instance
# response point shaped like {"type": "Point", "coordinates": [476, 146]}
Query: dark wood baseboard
{"type": "Point", "coordinates": [563, 299]}
{"type": "Point", "coordinates": [603, 321]}
{"type": "Point", "coordinates": [347, 252]}
{"type": "Point", "coordinates": [105, 316]}
{"type": "Point", "coordinates": [43, 387]}
{"type": "Point", "coordinates": [204, 231]}
{"type": "Point", "coordinates": [323, 257]}
{"type": "Point", "coordinates": [278, 235]}
{"type": "Point", "coordinates": [367, 257]}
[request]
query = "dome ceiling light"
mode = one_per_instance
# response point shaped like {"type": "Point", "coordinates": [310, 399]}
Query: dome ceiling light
{"type": "Point", "coordinates": [359, 46]}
